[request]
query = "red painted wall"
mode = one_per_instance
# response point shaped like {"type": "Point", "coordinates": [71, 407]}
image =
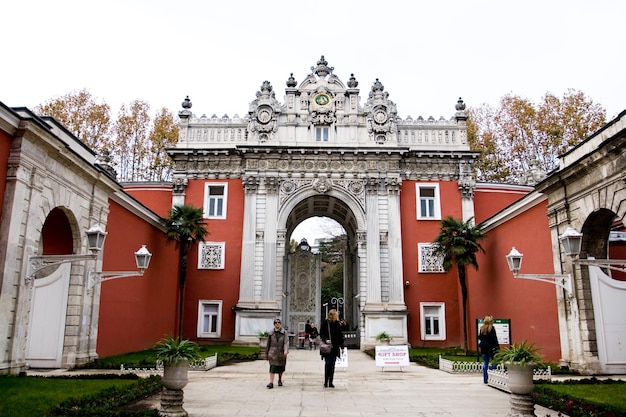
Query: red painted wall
{"type": "Point", "coordinates": [213, 284]}
{"type": "Point", "coordinates": [157, 197]}
{"type": "Point", "coordinates": [431, 287]}
{"type": "Point", "coordinates": [491, 198]}
{"type": "Point", "coordinates": [530, 305]}
{"type": "Point", "coordinates": [136, 312]}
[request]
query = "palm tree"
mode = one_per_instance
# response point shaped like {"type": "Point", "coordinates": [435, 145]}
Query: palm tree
{"type": "Point", "coordinates": [185, 225]}
{"type": "Point", "coordinates": [457, 243]}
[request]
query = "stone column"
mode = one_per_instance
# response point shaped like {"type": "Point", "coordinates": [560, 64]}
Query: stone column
{"type": "Point", "coordinates": [268, 290]}
{"type": "Point", "coordinates": [396, 285]}
{"type": "Point", "coordinates": [246, 281]}
{"type": "Point", "coordinates": [373, 243]}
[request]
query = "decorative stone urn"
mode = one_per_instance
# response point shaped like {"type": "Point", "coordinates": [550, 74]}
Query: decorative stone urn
{"type": "Point", "coordinates": [263, 347]}
{"type": "Point", "coordinates": [175, 374]}
{"type": "Point", "coordinates": [520, 378]}
{"type": "Point", "coordinates": [521, 385]}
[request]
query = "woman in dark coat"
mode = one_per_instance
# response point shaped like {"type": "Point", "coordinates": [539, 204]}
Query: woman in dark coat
{"type": "Point", "coordinates": [488, 343]}
{"type": "Point", "coordinates": [330, 331]}
{"type": "Point", "coordinates": [277, 351]}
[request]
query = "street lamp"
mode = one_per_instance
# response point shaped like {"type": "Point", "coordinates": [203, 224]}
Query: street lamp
{"type": "Point", "coordinates": [571, 240]}
{"type": "Point", "coordinates": [95, 243]}
{"type": "Point", "coordinates": [514, 259]}
{"type": "Point", "coordinates": [142, 258]}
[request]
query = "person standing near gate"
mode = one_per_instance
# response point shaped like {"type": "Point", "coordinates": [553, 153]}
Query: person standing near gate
{"type": "Point", "coordinates": [330, 332]}
{"type": "Point", "coordinates": [488, 343]}
{"type": "Point", "coordinates": [277, 351]}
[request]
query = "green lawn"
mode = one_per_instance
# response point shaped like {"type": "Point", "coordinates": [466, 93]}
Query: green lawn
{"type": "Point", "coordinates": [33, 396]}
{"type": "Point", "coordinates": [614, 394]}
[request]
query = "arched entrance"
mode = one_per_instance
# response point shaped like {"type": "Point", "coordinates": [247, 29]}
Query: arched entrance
{"type": "Point", "coordinates": [302, 270]}
{"type": "Point", "coordinates": [48, 309]}
{"type": "Point", "coordinates": [607, 292]}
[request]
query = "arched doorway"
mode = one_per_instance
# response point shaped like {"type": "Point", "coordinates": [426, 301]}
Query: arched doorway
{"type": "Point", "coordinates": [48, 309]}
{"type": "Point", "coordinates": [607, 291]}
{"type": "Point", "coordinates": [318, 272]}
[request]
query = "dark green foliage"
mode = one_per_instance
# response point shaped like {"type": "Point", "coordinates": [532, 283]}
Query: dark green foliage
{"type": "Point", "coordinates": [75, 395]}
{"type": "Point", "coordinates": [609, 395]}
{"type": "Point", "coordinates": [147, 358]}
{"type": "Point", "coordinates": [174, 349]}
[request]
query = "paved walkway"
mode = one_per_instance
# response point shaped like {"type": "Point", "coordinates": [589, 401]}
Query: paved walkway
{"type": "Point", "coordinates": [361, 390]}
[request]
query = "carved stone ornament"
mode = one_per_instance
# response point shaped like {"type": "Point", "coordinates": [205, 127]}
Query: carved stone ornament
{"type": "Point", "coordinates": [322, 184]}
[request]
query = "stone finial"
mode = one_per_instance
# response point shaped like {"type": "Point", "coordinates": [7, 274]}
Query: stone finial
{"type": "Point", "coordinates": [535, 173]}
{"type": "Point", "coordinates": [352, 82]}
{"type": "Point", "coordinates": [185, 113]}
{"type": "Point", "coordinates": [291, 82]}
{"type": "Point", "coordinates": [322, 69]}
{"type": "Point", "coordinates": [460, 105]}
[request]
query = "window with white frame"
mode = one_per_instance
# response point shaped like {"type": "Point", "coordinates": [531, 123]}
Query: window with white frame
{"type": "Point", "coordinates": [428, 260]}
{"type": "Point", "coordinates": [210, 318]}
{"type": "Point", "coordinates": [321, 134]}
{"type": "Point", "coordinates": [215, 198]}
{"type": "Point", "coordinates": [433, 321]}
{"type": "Point", "coordinates": [428, 202]}
{"type": "Point", "coordinates": [211, 255]}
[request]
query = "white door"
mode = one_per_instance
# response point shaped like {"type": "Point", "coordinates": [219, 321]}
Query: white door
{"type": "Point", "coordinates": [47, 319]}
{"type": "Point", "coordinates": [609, 297]}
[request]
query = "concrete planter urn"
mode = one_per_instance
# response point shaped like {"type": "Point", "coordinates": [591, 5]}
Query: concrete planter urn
{"type": "Point", "coordinates": [175, 354]}
{"type": "Point", "coordinates": [520, 378]}
{"type": "Point", "coordinates": [175, 374]}
{"type": "Point", "coordinates": [263, 336]}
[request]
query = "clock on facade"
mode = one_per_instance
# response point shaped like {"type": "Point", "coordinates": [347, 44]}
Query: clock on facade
{"type": "Point", "coordinates": [322, 99]}
{"type": "Point", "coordinates": [264, 115]}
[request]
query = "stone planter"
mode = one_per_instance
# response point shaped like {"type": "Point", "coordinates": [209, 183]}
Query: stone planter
{"type": "Point", "coordinates": [263, 348]}
{"type": "Point", "coordinates": [175, 374]}
{"type": "Point", "coordinates": [520, 378]}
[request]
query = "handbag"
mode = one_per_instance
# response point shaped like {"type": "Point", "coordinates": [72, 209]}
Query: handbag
{"type": "Point", "coordinates": [326, 348]}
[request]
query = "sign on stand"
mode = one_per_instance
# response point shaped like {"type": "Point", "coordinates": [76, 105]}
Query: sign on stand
{"type": "Point", "coordinates": [503, 329]}
{"type": "Point", "coordinates": [342, 362]}
{"type": "Point", "coordinates": [387, 356]}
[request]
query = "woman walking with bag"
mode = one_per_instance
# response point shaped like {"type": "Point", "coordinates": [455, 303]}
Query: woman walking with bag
{"type": "Point", "coordinates": [488, 344]}
{"type": "Point", "coordinates": [330, 332]}
{"type": "Point", "coordinates": [277, 351]}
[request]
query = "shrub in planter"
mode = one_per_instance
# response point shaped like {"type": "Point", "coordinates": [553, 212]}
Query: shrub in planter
{"type": "Point", "coordinates": [520, 359]}
{"type": "Point", "coordinates": [176, 353]}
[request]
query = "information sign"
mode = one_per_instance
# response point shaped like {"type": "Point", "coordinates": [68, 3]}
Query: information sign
{"type": "Point", "coordinates": [392, 355]}
{"type": "Point", "coordinates": [503, 329]}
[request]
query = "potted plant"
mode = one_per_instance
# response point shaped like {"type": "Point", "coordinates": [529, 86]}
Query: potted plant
{"type": "Point", "coordinates": [175, 353]}
{"type": "Point", "coordinates": [520, 359]}
{"type": "Point", "coordinates": [384, 338]}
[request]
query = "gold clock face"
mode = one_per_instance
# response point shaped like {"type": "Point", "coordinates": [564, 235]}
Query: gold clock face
{"type": "Point", "coordinates": [322, 99]}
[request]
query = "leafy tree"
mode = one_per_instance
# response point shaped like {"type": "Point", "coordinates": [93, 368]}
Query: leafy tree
{"type": "Point", "coordinates": [131, 153]}
{"type": "Point", "coordinates": [82, 115]}
{"type": "Point", "coordinates": [457, 244]}
{"type": "Point", "coordinates": [164, 135]}
{"type": "Point", "coordinates": [520, 133]}
{"type": "Point", "coordinates": [185, 225]}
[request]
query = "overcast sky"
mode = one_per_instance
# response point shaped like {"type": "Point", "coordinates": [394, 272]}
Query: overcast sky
{"type": "Point", "coordinates": [427, 54]}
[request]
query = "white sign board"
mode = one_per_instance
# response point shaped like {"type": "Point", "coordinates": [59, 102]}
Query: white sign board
{"type": "Point", "coordinates": [342, 362]}
{"type": "Point", "coordinates": [392, 356]}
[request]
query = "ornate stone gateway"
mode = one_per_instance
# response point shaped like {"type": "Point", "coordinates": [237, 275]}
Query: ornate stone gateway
{"type": "Point", "coordinates": [322, 153]}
